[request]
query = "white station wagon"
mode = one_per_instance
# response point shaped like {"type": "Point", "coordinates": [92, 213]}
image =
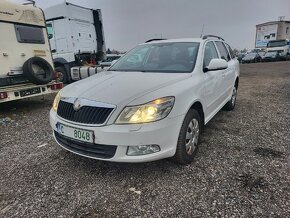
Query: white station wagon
{"type": "Point", "coordinates": [151, 104]}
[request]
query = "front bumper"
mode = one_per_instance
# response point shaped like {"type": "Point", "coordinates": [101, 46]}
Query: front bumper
{"type": "Point", "coordinates": [163, 133]}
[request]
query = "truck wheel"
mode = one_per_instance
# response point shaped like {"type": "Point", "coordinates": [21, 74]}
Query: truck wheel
{"type": "Point", "coordinates": [187, 144]}
{"type": "Point", "coordinates": [62, 74]}
{"type": "Point", "coordinates": [230, 105]}
{"type": "Point", "coordinates": [38, 71]}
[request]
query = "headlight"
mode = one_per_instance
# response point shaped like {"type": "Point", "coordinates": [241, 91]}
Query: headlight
{"type": "Point", "coordinates": [149, 112]}
{"type": "Point", "coordinates": [56, 101]}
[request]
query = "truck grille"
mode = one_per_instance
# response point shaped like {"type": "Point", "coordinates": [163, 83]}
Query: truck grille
{"type": "Point", "coordinates": [85, 115]}
{"type": "Point", "coordinates": [87, 149]}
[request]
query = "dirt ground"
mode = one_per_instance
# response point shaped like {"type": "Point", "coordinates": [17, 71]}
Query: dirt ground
{"type": "Point", "coordinates": [242, 168]}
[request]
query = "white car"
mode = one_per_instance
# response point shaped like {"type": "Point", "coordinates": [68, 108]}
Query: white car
{"type": "Point", "coordinates": [151, 107]}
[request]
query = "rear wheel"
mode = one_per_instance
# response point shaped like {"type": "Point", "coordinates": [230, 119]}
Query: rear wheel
{"type": "Point", "coordinates": [187, 144]}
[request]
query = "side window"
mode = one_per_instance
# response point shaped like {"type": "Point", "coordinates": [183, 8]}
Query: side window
{"type": "Point", "coordinates": [49, 30]}
{"type": "Point", "coordinates": [230, 50]}
{"type": "Point", "coordinates": [223, 51]}
{"type": "Point", "coordinates": [29, 34]}
{"type": "Point", "coordinates": [209, 53]}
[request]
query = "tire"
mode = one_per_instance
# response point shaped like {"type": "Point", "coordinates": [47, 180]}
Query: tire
{"type": "Point", "coordinates": [38, 71]}
{"type": "Point", "coordinates": [230, 105]}
{"type": "Point", "coordinates": [187, 144]}
{"type": "Point", "coordinates": [63, 75]}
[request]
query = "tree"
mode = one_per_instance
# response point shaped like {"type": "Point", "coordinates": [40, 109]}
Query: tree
{"type": "Point", "coordinates": [244, 50]}
{"type": "Point", "coordinates": [109, 51]}
{"type": "Point", "coordinates": [236, 51]}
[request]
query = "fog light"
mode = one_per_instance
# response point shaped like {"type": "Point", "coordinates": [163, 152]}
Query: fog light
{"type": "Point", "coordinates": [142, 150]}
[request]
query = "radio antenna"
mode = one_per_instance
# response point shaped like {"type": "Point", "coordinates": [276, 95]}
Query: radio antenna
{"type": "Point", "coordinates": [201, 34]}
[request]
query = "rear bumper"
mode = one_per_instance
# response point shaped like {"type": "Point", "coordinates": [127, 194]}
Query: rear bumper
{"type": "Point", "coordinates": [16, 92]}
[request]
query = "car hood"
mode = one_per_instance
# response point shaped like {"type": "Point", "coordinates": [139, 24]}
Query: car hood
{"type": "Point", "coordinates": [116, 87]}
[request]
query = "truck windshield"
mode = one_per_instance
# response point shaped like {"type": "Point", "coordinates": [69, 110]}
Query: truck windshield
{"type": "Point", "coordinates": [277, 43]}
{"type": "Point", "coordinates": [179, 57]}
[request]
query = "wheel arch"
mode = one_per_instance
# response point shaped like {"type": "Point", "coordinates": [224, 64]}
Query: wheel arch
{"type": "Point", "coordinates": [199, 108]}
{"type": "Point", "coordinates": [237, 82]}
{"type": "Point", "coordinates": [59, 62]}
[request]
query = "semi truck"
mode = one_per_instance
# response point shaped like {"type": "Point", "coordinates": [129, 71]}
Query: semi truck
{"type": "Point", "coordinates": [77, 40]}
{"type": "Point", "coordinates": [26, 66]}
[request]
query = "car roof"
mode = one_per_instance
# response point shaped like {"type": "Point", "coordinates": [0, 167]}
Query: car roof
{"type": "Point", "coordinates": [181, 40]}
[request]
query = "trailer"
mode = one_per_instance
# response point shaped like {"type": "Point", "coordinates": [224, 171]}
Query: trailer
{"type": "Point", "coordinates": [26, 67]}
{"type": "Point", "coordinates": [77, 39]}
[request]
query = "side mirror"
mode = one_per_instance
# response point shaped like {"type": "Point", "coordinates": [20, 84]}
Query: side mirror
{"type": "Point", "coordinates": [216, 64]}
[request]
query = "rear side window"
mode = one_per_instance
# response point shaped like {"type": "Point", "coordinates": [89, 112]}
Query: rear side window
{"type": "Point", "coordinates": [29, 34]}
{"type": "Point", "coordinates": [209, 53]}
{"type": "Point", "coordinates": [223, 51]}
{"type": "Point", "coordinates": [230, 50]}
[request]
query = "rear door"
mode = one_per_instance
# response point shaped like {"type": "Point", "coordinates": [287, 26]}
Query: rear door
{"type": "Point", "coordinates": [212, 81]}
{"type": "Point", "coordinates": [228, 74]}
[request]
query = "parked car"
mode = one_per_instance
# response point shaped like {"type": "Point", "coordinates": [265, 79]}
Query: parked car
{"type": "Point", "coordinates": [262, 54]}
{"type": "Point", "coordinates": [151, 108]}
{"type": "Point", "coordinates": [252, 58]}
{"type": "Point", "coordinates": [241, 56]}
{"type": "Point", "coordinates": [271, 56]}
{"type": "Point", "coordinates": [109, 59]}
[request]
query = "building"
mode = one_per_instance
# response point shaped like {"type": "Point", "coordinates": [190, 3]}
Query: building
{"type": "Point", "coordinates": [274, 30]}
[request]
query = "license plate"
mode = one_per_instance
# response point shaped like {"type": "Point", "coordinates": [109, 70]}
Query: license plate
{"type": "Point", "coordinates": [28, 92]}
{"type": "Point", "coordinates": [75, 133]}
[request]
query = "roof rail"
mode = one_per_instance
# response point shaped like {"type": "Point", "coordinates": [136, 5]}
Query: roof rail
{"type": "Point", "coordinates": [151, 40]}
{"type": "Point", "coordinates": [212, 36]}
{"type": "Point", "coordinates": [29, 2]}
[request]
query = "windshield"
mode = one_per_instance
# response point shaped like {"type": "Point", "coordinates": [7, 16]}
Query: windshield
{"type": "Point", "coordinates": [177, 57]}
{"type": "Point", "coordinates": [270, 53]}
{"type": "Point", "coordinates": [251, 55]}
{"type": "Point", "coordinates": [277, 43]}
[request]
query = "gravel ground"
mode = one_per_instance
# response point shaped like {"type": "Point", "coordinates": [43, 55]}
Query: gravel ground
{"type": "Point", "coordinates": [241, 170]}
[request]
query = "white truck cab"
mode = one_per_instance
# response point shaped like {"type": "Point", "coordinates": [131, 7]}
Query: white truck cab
{"type": "Point", "coordinates": [282, 47]}
{"type": "Point", "coordinates": [26, 67]}
{"type": "Point", "coordinates": [76, 36]}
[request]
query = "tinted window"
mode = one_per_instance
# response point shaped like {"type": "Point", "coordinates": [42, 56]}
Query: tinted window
{"type": "Point", "coordinates": [177, 57]}
{"type": "Point", "coordinates": [29, 34]}
{"type": "Point", "coordinates": [209, 53]}
{"type": "Point", "coordinates": [223, 51]}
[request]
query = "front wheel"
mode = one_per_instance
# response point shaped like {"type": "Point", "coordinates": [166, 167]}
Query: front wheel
{"type": "Point", "coordinates": [62, 75]}
{"type": "Point", "coordinates": [230, 105]}
{"type": "Point", "coordinates": [187, 144]}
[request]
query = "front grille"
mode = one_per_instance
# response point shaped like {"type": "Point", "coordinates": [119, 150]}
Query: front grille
{"type": "Point", "coordinates": [87, 149]}
{"type": "Point", "coordinates": [85, 115]}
